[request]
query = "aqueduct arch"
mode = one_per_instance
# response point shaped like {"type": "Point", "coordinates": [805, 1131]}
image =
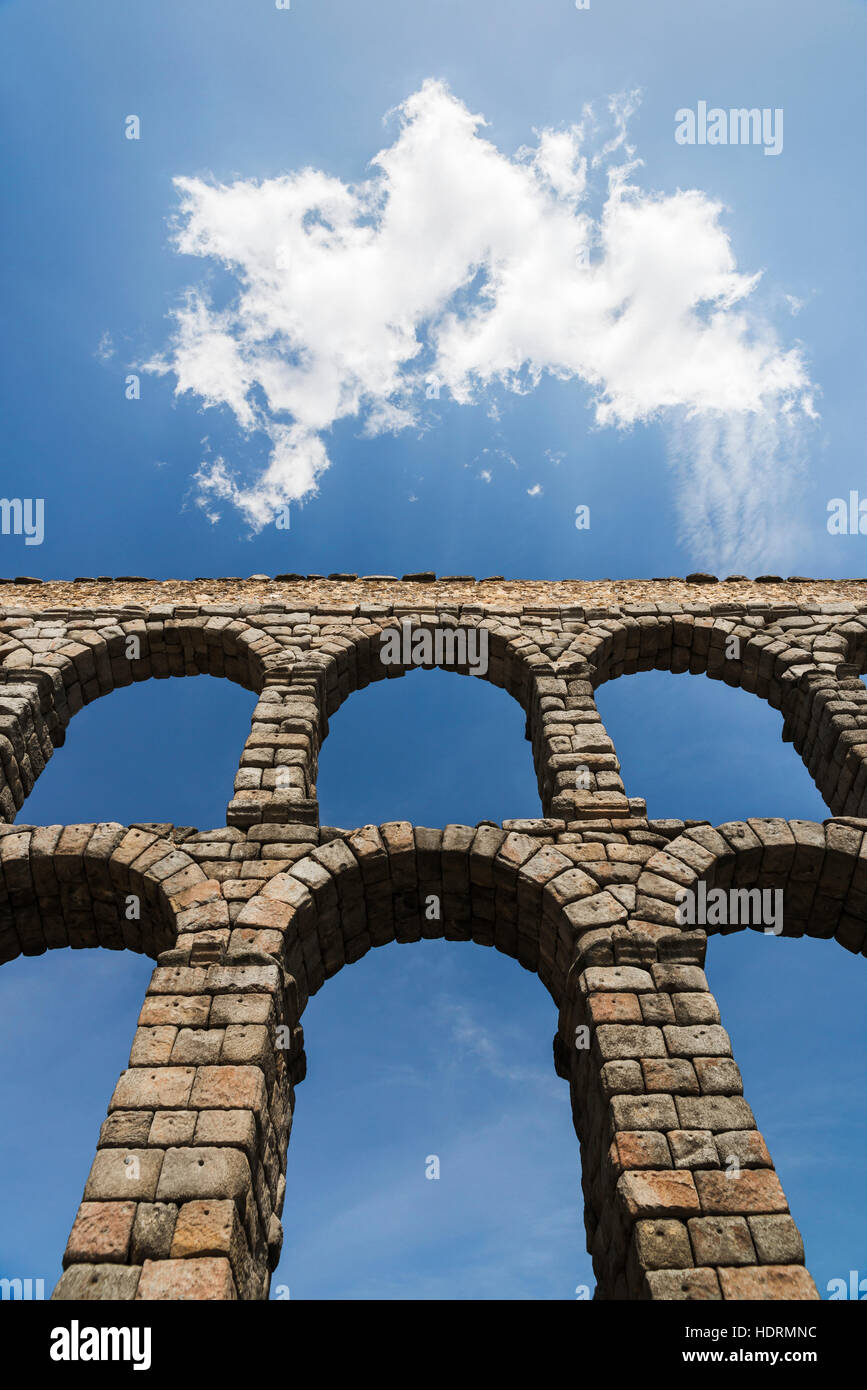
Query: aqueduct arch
{"type": "Point", "coordinates": [248, 920]}
{"type": "Point", "coordinates": [50, 670]}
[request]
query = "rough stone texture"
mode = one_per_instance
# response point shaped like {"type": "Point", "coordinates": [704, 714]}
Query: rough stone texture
{"type": "Point", "coordinates": [780, 1282]}
{"type": "Point", "coordinates": [246, 921]}
{"type": "Point", "coordinates": [101, 1233]}
{"type": "Point", "coordinates": [186, 1279]}
{"type": "Point", "coordinates": [152, 1231]}
{"type": "Point", "coordinates": [97, 1282]}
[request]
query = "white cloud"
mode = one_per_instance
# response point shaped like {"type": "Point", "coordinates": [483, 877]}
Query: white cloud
{"type": "Point", "coordinates": [456, 260]}
{"type": "Point", "coordinates": [473, 1041]}
{"type": "Point", "coordinates": [105, 347]}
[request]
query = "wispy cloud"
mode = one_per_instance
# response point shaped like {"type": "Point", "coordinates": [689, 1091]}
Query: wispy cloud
{"type": "Point", "coordinates": [487, 1049]}
{"type": "Point", "coordinates": [456, 262]}
{"type": "Point", "coordinates": [105, 347]}
{"type": "Point", "coordinates": [399, 1225]}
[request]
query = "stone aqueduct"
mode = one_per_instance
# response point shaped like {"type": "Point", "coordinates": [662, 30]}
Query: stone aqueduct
{"type": "Point", "coordinates": [245, 922]}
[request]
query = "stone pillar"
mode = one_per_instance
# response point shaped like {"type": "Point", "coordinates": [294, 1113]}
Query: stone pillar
{"type": "Point", "coordinates": [184, 1196]}
{"type": "Point", "coordinates": [826, 720]}
{"type": "Point", "coordinates": [30, 729]}
{"type": "Point", "coordinates": [276, 781]}
{"type": "Point", "coordinates": [681, 1197]}
{"type": "Point", "coordinates": [577, 766]}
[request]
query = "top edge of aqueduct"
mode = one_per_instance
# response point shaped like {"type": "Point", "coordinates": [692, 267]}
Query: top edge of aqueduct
{"type": "Point", "coordinates": [427, 591]}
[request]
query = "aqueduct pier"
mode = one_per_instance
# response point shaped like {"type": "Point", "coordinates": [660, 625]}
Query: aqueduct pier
{"type": "Point", "coordinates": [246, 921]}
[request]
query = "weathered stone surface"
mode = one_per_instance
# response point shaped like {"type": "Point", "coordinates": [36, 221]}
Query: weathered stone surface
{"type": "Point", "coordinates": [715, 1113]}
{"type": "Point", "coordinates": [643, 1113]}
{"type": "Point", "coordinates": [617, 1041]}
{"type": "Point", "coordinates": [249, 920]}
{"type": "Point", "coordinates": [633, 1149]}
{"type": "Point", "coordinates": [718, 1076]}
{"type": "Point", "coordinates": [780, 1282]}
{"type": "Point", "coordinates": [686, 1285]}
{"type": "Point", "coordinates": [777, 1240]}
{"type": "Point", "coordinates": [172, 1128]}
{"type": "Point", "coordinates": [744, 1147]}
{"type": "Point", "coordinates": [101, 1233]}
{"type": "Point", "coordinates": [692, 1148]}
{"type": "Point", "coordinates": [189, 1174]}
{"type": "Point", "coordinates": [721, 1240]}
{"type": "Point", "coordinates": [228, 1088]}
{"type": "Point", "coordinates": [662, 1244]}
{"type": "Point", "coordinates": [206, 1228]}
{"type": "Point", "coordinates": [755, 1192]}
{"type": "Point", "coordinates": [123, 1174]}
{"type": "Point", "coordinates": [700, 1041]}
{"type": "Point", "coordinates": [163, 1087]}
{"type": "Point", "coordinates": [662, 1194]}
{"type": "Point", "coordinates": [152, 1231]}
{"type": "Point", "coordinates": [209, 1279]}
{"type": "Point", "coordinates": [675, 1077]}
{"type": "Point", "coordinates": [90, 1283]}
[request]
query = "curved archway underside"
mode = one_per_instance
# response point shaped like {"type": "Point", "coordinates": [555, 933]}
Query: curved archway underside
{"type": "Point", "coordinates": [203, 1109]}
{"type": "Point", "coordinates": [609, 908]}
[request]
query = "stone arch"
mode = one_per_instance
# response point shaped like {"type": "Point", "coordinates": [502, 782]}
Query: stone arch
{"type": "Point", "coordinates": [70, 885]}
{"type": "Point", "coordinates": [45, 680]}
{"type": "Point", "coordinates": [507, 664]}
{"type": "Point", "coordinates": [302, 691]}
{"type": "Point", "coordinates": [686, 642]}
{"type": "Point", "coordinates": [826, 721]}
{"type": "Point", "coordinates": [781, 664]}
{"type": "Point", "coordinates": [568, 912]}
{"type": "Point", "coordinates": [820, 868]}
{"type": "Point", "coordinates": [532, 899]}
{"type": "Point", "coordinates": [656, 1096]}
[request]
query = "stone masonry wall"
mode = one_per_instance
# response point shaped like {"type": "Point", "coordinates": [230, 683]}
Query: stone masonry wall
{"type": "Point", "coordinates": [247, 921]}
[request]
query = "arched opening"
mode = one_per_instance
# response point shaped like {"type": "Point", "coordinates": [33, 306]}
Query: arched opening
{"type": "Point", "coordinates": [66, 1025]}
{"type": "Point", "coordinates": [158, 751]}
{"type": "Point", "coordinates": [431, 748]}
{"type": "Point", "coordinates": [794, 1008]}
{"type": "Point", "coordinates": [699, 749]}
{"type": "Point", "coordinates": [438, 1052]}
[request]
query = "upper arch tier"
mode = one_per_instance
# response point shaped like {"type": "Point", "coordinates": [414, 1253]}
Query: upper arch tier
{"type": "Point", "coordinates": [305, 645]}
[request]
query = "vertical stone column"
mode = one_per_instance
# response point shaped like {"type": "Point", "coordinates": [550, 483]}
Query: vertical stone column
{"type": "Point", "coordinates": [577, 766]}
{"type": "Point", "coordinates": [276, 780]}
{"type": "Point", "coordinates": [30, 729]}
{"type": "Point", "coordinates": [681, 1197]}
{"type": "Point", "coordinates": [826, 720]}
{"type": "Point", "coordinates": [184, 1196]}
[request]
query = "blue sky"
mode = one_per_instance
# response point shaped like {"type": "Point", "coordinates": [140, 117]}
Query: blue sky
{"type": "Point", "coordinates": [226, 93]}
{"type": "Point", "coordinates": [708, 434]}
